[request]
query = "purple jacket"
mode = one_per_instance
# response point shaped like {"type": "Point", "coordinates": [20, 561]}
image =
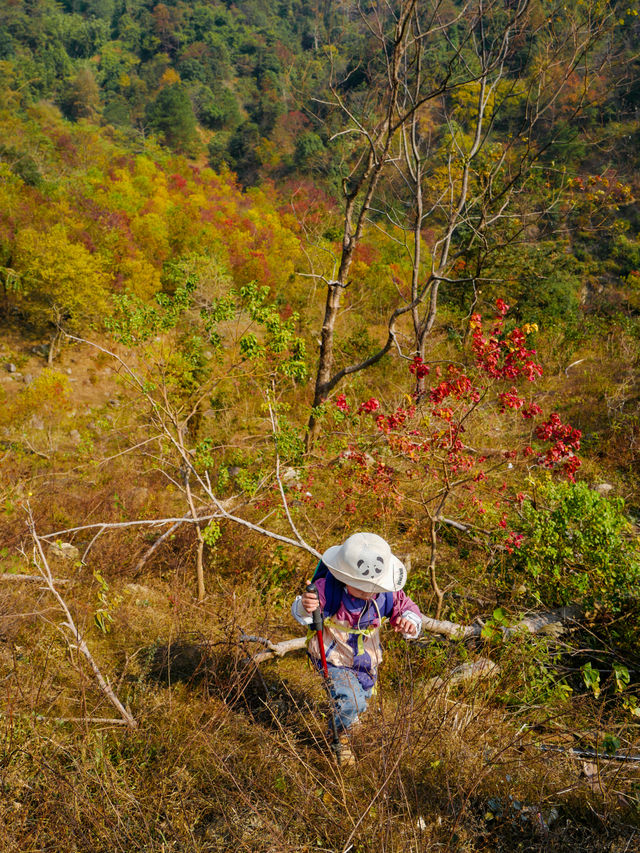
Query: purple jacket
{"type": "Point", "coordinates": [352, 635]}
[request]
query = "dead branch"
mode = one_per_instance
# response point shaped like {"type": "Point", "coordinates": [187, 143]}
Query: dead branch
{"type": "Point", "coordinates": [75, 640]}
{"type": "Point", "coordinates": [481, 668]}
{"type": "Point", "coordinates": [6, 576]}
{"type": "Point", "coordinates": [552, 621]}
{"type": "Point", "coordinates": [154, 547]}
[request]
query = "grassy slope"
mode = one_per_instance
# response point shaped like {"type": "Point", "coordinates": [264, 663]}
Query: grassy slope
{"type": "Point", "coordinates": [210, 769]}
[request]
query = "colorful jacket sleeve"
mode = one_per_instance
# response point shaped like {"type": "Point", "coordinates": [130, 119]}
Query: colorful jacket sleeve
{"type": "Point", "coordinates": [404, 608]}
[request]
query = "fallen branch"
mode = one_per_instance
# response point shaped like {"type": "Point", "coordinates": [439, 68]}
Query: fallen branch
{"type": "Point", "coordinates": [535, 624]}
{"type": "Point", "coordinates": [79, 643]}
{"type": "Point", "coordinates": [7, 576]}
{"type": "Point", "coordinates": [552, 621]}
{"type": "Point", "coordinates": [275, 649]}
{"type": "Point", "coordinates": [589, 753]}
{"type": "Point", "coordinates": [154, 547]}
{"type": "Point", "coordinates": [481, 668]}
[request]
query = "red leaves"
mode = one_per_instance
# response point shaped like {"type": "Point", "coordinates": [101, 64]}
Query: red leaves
{"type": "Point", "coordinates": [426, 440]}
{"type": "Point", "coordinates": [501, 307]}
{"type": "Point", "coordinates": [564, 440]}
{"type": "Point", "coordinates": [341, 403]}
{"type": "Point", "coordinates": [511, 399]}
{"type": "Point", "coordinates": [386, 423]}
{"type": "Point", "coordinates": [370, 406]}
{"type": "Point", "coordinates": [457, 387]}
{"type": "Point", "coordinates": [418, 367]}
{"type": "Point", "coordinates": [504, 356]}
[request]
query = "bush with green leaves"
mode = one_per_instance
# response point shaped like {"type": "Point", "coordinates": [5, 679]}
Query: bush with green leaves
{"type": "Point", "coordinates": [578, 546]}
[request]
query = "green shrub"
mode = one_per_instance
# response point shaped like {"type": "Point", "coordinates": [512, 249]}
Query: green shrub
{"type": "Point", "coordinates": [577, 547]}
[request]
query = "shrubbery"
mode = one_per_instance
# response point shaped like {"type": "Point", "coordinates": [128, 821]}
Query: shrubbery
{"type": "Point", "coordinates": [577, 547]}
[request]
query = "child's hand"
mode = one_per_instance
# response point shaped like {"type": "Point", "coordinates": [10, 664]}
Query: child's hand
{"type": "Point", "coordinates": [310, 601]}
{"type": "Point", "coordinates": [405, 626]}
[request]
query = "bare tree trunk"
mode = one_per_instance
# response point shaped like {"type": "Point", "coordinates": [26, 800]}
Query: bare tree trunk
{"type": "Point", "coordinates": [432, 570]}
{"type": "Point", "coordinates": [358, 190]}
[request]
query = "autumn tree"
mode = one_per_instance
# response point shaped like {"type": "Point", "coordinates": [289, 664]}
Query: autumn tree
{"type": "Point", "coordinates": [59, 282]}
{"type": "Point", "coordinates": [440, 142]}
{"type": "Point", "coordinates": [206, 339]}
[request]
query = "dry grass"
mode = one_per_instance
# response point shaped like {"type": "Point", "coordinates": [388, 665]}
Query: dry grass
{"type": "Point", "coordinates": [226, 757]}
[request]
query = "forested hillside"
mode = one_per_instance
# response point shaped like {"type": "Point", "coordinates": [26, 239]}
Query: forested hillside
{"type": "Point", "coordinates": [273, 274]}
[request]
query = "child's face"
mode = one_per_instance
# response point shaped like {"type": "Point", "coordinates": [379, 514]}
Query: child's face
{"type": "Point", "coordinates": [359, 593]}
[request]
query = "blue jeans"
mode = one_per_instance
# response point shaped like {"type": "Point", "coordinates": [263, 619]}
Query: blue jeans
{"type": "Point", "coordinates": [349, 696]}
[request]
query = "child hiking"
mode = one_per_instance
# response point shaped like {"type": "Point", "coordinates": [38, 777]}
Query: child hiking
{"type": "Point", "coordinates": [357, 585]}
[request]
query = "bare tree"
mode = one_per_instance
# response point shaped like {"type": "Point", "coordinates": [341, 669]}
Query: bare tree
{"type": "Point", "coordinates": [440, 149]}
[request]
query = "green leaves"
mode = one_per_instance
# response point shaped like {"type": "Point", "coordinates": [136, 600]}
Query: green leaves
{"type": "Point", "coordinates": [577, 547]}
{"type": "Point", "coordinates": [591, 678]}
{"type": "Point", "coordinates": [211, 533]}
{"type": "Point", "coordinates": [278, 343]}
{"type": "Point", "coordinates": [492, 630]}
{"type": "Point", "coordinates": [135, 321]}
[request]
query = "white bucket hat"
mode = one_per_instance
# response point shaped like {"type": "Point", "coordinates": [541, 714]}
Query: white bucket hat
{"type": "Point", "coordinates": [365, 561]}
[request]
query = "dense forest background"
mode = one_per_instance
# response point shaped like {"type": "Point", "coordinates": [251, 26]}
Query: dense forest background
{"type": "Point", "coordinates": [273, 273]}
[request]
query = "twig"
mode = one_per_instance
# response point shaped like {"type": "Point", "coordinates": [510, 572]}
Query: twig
{"type": "Point", "coordinates": [154, 547]}
{"type": "Point", "coordinates": [589, 753]}
{"type": "Point", "coordinates": [285, 503]}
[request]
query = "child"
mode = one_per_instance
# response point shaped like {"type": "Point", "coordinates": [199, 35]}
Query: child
{"type": "Point", "coordinates": [359, 584]}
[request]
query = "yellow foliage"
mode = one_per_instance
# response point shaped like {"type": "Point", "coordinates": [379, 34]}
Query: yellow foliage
{"type": "Point", "coordinates": [169, 77]}
{"type": "Point", "coordinates": [61, 279]}
{"type": "Point", "coordinates": [139, 277]}
{"type": "Point", "coordinates": [47, 397]}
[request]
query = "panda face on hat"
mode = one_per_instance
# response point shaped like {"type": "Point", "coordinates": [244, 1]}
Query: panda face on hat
{"type": "Point", "coordinates": [365, 562]}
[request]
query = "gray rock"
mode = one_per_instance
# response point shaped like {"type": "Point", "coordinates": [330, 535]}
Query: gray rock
{"type": "Point", "coordinates": [603, 489]}
{"type": "Point", "coordinates": [28, 378]}
{"type": "Point", "coordinates": [64, 551]}
{"type": "Point", "coordinates": [289, 475]}
{"type": "Point", "coordinates": [75, 436]}
{"type": "Point", "coordinates": [10, 367]}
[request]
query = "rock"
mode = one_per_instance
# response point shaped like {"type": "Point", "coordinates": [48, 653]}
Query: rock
{"type": "Point", "coordinates": [138, 589]}
{"type": "Point", "coordinates": [75, 436]}
{"type": "Point", "coordinates": [64, 551]}
{"type": "Point", "coordinates": [68, 371]}
{"type": "Point", "coordinates": [35, 422]}
{"type": "Point", "coordinates": [289, 475]}
{"type": "Point", "coordinates": [10, 367]}
{"type": "Point", "coordinates": [28, 378]}
{"type": "Point", "coordinates": [41, 349]}
{"type": "Point", "coordinates": [603, 489]}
